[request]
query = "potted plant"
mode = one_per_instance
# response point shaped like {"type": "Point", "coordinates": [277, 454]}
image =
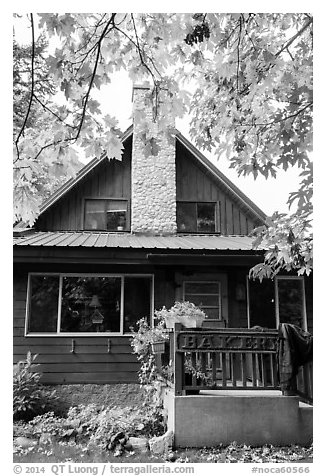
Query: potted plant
{"type": "Point", "coordinates": [158, 347]}
{"type": "Point", "coordinates": [185, 313]}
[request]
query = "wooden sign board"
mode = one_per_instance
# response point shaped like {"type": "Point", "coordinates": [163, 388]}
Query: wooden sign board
{"type": "Point", "coordinates": [208, 342]}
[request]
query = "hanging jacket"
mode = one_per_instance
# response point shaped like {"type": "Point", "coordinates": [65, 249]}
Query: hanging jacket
{"type": "Point", "coordinates": [295, 349]}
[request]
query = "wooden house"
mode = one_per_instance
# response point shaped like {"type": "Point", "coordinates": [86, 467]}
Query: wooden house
{"type": "Point", "coordinates": [123, 238]}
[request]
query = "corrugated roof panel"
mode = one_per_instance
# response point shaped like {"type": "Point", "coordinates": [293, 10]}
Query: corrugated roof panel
{"type": "Point", "coordinates": [91, 240]}
{"type": "Point", "coordinates": [120, 240]}
{"type": "Point", "coordinates": [80, 238]}
{"type": "Point", "coordinates": [101, 241]}
{"type": "Point", "coordinates": [39, 239]}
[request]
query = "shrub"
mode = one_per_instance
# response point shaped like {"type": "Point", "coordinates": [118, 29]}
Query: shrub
{"type": "Point", "coordinates": [29, 396]}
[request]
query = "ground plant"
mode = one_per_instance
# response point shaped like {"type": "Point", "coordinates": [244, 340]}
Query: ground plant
{"type": "Point", "coordinates": [30, 397]}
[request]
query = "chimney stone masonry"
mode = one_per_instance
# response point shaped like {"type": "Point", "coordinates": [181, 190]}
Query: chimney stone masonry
{"type": "Point", "coordinates": [153, 177]}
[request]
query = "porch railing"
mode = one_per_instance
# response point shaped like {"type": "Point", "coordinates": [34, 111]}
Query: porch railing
{"type": "Point", "coordinates": [229, 359]}
{"type": "Point", "coordinates": [303, 386]}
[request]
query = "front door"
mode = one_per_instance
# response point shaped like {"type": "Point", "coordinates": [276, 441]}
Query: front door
{"type": "Point", "coordinates": [207, 291]}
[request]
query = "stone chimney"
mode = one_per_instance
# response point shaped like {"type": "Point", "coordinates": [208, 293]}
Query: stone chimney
{"type": "Point", "coordinates": [153, 177]}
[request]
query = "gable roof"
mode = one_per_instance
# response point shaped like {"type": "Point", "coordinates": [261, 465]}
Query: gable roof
{"type": "Point", "coordinates": [231, 188]}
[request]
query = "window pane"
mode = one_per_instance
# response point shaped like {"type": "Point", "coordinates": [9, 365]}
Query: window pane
{"type": "Point", "coordinates": [202, 288]}
{"type": "Point", "coordinates": [137, 300]}
{"type": "Point", "coordinates": [290, 299]}
{"type": "Point", "coordinates": [117, 205]}
{"type": "Point", "coordinates": [262, 303]}
{"type": "Point", "coordinates": [95, 215]}
{"type": "Point", "coordinates": [90, 304]}
{"type": "Point", "coordinates": [116, 221]}
{"type": "Point", "coordinates": [204, 300]}
{"type": "Point", "coordinates": [43, 309]}
{"type": "Point", "coordinates": [206, 217]}
{"type": "Point", "coordinates": [212, 313]}
{"type": "Point", "coordinates": [186, 217]}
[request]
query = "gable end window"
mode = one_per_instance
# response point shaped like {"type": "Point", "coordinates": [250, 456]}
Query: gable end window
{"type": "Point", "coordinates": [198, 217]}
{"type": "Point", "coordinates": [106, 214]}
{"type": "Point", "coordinates": [65, 304]}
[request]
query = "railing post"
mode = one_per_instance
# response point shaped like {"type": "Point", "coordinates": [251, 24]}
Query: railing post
{"type": "Point", "coordinates": [178, 363]}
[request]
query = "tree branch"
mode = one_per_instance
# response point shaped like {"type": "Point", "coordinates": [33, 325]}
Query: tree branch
{"type": "Point", "coordinates": [53, 113]}
{"type": "Point", "coordinates": [21, 132]}
{"type": "Point", "coordinates": [238, 51]}
{"type": "Point", "coordinates": [254, 124]}
{"type": "Point", "coordinates": [291, 40]}
{"type": "Point", "coordinates": [86, 97]}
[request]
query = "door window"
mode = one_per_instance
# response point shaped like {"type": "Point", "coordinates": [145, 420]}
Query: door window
{"type": "Point", "coordinates": [206, 295]}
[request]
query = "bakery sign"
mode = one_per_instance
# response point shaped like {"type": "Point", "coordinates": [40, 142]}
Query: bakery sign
{"type": "Point", "coordinates": [206, 342]}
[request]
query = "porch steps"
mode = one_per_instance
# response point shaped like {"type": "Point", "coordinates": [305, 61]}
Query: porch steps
{"type": "Point", "coordinates": [253, 417]}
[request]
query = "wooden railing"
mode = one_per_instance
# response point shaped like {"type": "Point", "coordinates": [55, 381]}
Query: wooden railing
{"type": "Point", "coordinates": [230, 359]}
{"type": "Point", "coordinates": [241, 359]}
{"type": "Point", "coordinates": [303, 386]}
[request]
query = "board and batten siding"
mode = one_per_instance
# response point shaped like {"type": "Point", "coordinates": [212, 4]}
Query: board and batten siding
{"type": "Point", "coordinates": [109, 179]}
{"type": "Point", "coordinates": [196, 183]}
{"type": "Point", "coordinates": [90, 363]}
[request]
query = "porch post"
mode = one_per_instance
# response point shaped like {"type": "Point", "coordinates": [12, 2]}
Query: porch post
{"type": "Point", "coordinates": [178, 363]}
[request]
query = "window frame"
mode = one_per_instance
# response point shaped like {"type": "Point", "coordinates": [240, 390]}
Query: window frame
{"type": "Point", "coordinates": [217, 216]}
{"type": "Point", "coordinates": [107, 199]}
{"type": "Point", "coordinates": [122, 276]}
{"type": "Point", "coordinates": [220, 318]}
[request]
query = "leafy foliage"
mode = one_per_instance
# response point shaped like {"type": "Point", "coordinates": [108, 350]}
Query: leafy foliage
{"type": "Point", "coordinates": [142, 339]}
{"type": "Point", "coordinates": [183, 312]}
{"type": "Point", "coordinates": [35, 178]}
{"type": "Point", "coordinates": [95, 426]}
{"type": "Point", "coordinates": [251, 99]}
{"type": "Point", "coordinates": [29, 396]}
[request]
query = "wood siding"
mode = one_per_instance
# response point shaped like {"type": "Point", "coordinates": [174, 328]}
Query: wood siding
{"type": "Point", "coordinates": [196, 183]}
{"type": "Point", "coordinates": [109, 179]}
{"type": "Point", "coordinates": [90, 363]}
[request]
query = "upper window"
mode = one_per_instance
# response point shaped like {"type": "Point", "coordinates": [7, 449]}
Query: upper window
{"type": "Point", "coordinates": [108, 215]}
{"type": "Point", "coordinates": [206, 295]}
{"type": "Point", "coordinates": [197, 217]}
{"type": "Point", "coordinates": [87, 304]}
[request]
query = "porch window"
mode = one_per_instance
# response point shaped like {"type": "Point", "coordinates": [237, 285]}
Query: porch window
{"type": "Point", "coordinates": [197, 217]}
{"type": "Point", "coordinates": [108, 214]}
{"type": "Point", "coordinates": [206, 295]}
{"type": "Point", "coordinates": [87, 304]}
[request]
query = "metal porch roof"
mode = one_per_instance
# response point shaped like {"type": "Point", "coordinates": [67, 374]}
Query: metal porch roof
{"type": "Point", "coordinates": [125, 240]}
